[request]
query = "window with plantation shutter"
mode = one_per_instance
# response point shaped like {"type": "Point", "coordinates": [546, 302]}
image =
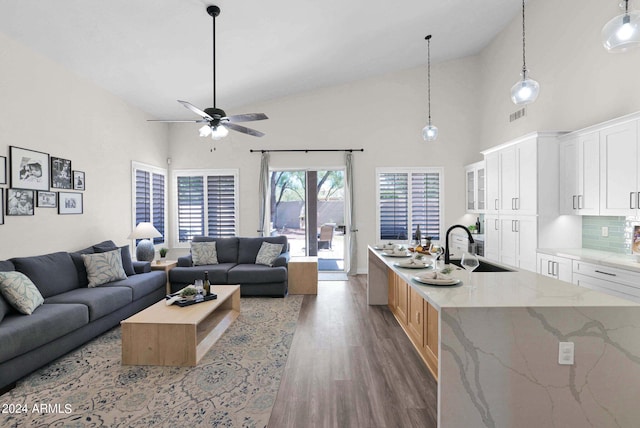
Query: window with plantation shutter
{"type": "Point", "coordinates": [207, 204]}
{"type": "Point", "coordinates": [406, 199]}
{"type": "Point", "coordinates": [149, 197]}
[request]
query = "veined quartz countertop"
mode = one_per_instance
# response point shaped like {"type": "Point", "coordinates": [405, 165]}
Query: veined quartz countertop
{"type": "Point", "coordinates": [502, 289]}
{"type": "Point", "coordinates": [605, 258]}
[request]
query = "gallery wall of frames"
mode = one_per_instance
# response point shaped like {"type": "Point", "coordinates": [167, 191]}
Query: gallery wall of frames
{"type": "Point", "coordinates": [38, 180]}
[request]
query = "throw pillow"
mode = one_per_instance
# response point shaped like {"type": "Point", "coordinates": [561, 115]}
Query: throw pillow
{"type": "Point", "coordinates": [20, 292]}
{"type": "Point", "coordinates": [204, 253]}
{"type": "Point", "coordinates": [268, 253]}
{"type": "Point", "coordinates": [104, 267]}
{"type": "Point", "coordinates": [127, 263]}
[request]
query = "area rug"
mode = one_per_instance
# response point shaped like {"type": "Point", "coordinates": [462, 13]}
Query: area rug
{"type": "Point", "coordinates": [234, 385]}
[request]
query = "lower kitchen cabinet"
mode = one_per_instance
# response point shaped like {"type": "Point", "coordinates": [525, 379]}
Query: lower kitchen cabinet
{"type": "Point", "coordinates": [418, 319]}
{"type": "Point", "coordinates": [617, 282]}
{"type": "Point", "coordinates": [555, 267]}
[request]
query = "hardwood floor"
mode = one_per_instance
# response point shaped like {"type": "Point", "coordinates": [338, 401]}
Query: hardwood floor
{"type": "Point", "coordinates": [351, 365]}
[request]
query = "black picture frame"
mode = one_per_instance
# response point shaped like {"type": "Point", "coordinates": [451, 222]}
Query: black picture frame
{"type": "Point", "coordinates": [20, 202]}
{"type": "Point", "coordinates": [78, 180]}
{"type": "Point", "coordinates": [3, 170]}
{"type": "Point", "coordinates": [70, 203]}
{"type": "Point", "coordinates": [1, 206]}
{"type": "Point", "coordinates": [28, 169]}
{"type": "Point", "coordinates": [61, 175]}
{"type": "Point", "coordinates": [47, 200]}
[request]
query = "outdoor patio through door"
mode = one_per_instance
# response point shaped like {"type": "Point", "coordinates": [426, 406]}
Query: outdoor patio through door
{"type": "Point", "coordinates": [308, 207]}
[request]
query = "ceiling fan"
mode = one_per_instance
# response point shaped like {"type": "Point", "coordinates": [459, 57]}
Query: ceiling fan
{"type": "Point", "coordinates": [217, 123]}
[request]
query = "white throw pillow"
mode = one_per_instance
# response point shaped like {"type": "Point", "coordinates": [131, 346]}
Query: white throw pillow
{"type": "Point", "coordinates": [268, 253]}
{"type": "Point", "coordinates": [104, 267]}
{"type": "Point", "coordinates": [20, 292]}
{"type": "Point", "coordinates": [204, 253]}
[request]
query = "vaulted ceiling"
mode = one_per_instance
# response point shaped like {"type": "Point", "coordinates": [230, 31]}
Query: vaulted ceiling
{"type": "Point", "coordinates": [154, 52]}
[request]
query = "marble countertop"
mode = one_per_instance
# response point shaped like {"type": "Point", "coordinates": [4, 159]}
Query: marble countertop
{"type": "Point", "coordinates": [604, 258]}
{"type": "Point", "coordinates": [503, 289]}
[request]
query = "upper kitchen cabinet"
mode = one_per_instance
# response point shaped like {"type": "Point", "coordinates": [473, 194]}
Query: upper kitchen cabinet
{"type": "Point", "coordinates": [476, 194]}
{"type": "Point", "coordinates": [580, 174]}
{"type": "Point", "coordinates": [619, 187]}
{"type": "Point", "coordinates": [522, 175]}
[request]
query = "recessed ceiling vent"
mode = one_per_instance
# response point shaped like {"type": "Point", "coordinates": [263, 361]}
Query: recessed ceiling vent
{"type": "Point", "coordinates": [518, 114]}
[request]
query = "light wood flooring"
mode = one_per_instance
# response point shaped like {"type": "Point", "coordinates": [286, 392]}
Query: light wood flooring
{"type": "Point", "coordinates": [351, 365]}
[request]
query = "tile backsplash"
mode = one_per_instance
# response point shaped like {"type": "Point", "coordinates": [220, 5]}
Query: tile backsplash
{"type": "Point", "coordinates": [592, 237]}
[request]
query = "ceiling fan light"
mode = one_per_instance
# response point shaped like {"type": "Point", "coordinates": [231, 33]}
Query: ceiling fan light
{"type": "Point", "coordinates": [622, 33]}
{"type": "Point", "coordinates": [525, 91]}
{"type": "Point", "coordinates": [205, 131]}
{"type": "Point", "coordinates": [219, 132]}
{"type": "Point", "coordinates": [430, 132]}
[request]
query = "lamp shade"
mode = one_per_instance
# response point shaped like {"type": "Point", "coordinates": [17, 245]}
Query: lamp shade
{"type": "Point", "coordinates": [622, 32]}
{"type": "Point", "coordinates": [525, 91]}
{"type": "Point", "coordinates": [145, 230]}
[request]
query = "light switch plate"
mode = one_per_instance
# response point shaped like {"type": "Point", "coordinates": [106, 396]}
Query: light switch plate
{"type": "Point", "coordinates": [605, 231]}
{"type": "Point", "coordinates": [566, 353]}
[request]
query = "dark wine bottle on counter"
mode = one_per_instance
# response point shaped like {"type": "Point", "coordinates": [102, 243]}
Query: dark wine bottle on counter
{"type": "Point", "coordinates": [207, 285]}
{"type": "Point", "coordinates": [477, 224]}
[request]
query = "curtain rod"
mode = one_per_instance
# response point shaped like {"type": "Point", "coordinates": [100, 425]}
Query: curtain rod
{"type": "Point", "coordinates": [305, 150]}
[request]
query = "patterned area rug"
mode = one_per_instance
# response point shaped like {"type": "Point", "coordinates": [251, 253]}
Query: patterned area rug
{"type": "Point", "coordinates": [234, 385]}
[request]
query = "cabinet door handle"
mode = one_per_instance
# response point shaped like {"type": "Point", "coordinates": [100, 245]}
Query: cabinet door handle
{"type": "Point", "coordinates": [631, 200]}
{"type": "Point", "coordinates": [517, 203]}
{"type": "Point", "coordinates": [495, 204]}
{"type": "Point", "coordinates": [580, 205]}
{"type": "Point", "coordinates": [554, 269]}
{"type": "Point", "coordinates": [495, 224]}
{"type": "Point", "coordinates": [605, 273]}
{"type": "Point", "coordinates": [574, 202]}
{"type": "Point", "coordinates": [549, 272]}
{"type": "Point", "coordinates": [513, 201]}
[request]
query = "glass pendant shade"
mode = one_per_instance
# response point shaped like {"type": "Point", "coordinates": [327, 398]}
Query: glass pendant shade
{"type": "Point", "coordinates": [430, 132]}
{"type": "Point", "coordinates": [525, 91]}
{"type": "Point", "coordinates": [622, 32]}
{"type": "Point", "coordinates": [219, 132]}
{"type": "Point", "coordinates": [205, 131]}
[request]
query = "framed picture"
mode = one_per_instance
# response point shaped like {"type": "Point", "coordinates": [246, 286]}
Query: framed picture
{"type": "Point", "coordinates": [1, 206]}
{"type": "Point", "coordinates": [47, 200]}
{"type": "Point", "coordinates": [635, 242]}
{"type": "Point", "coordinates": [28, 169]}
{"type": "Point", "coordinates": [78, 180]}
{"type": "Point", "coordinates": [20, 202]}
{"type": "Point", "coordinates": [61, 173]}
{"type": "Point", "coordinates": [3, 170]}
{"type": "Point", "coordinates": [69, 203]}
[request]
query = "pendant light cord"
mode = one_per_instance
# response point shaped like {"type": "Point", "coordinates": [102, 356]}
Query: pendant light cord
{"type": "Point", "coordinates": [214, 61]}
{"type": "Point", "coordinates": [429, 76]}
{"type": "Point", "coordinates": [524, 61]}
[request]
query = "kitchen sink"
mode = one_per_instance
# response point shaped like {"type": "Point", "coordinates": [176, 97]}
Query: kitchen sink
{"type": "Point", "coordinates": [484, 266]}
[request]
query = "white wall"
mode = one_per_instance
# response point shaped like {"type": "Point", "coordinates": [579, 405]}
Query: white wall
{"type": "Point", "coordinates": [44, 107]}
{"type": "Point", "coordinates": [383, 115]}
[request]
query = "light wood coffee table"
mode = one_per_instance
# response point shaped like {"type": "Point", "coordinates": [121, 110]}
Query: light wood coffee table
{"type": "Point", "coordinates": [164, 335]}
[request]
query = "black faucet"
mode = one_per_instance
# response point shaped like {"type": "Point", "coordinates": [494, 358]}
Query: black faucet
{"type": "Point", "coordinates": [447, 258]}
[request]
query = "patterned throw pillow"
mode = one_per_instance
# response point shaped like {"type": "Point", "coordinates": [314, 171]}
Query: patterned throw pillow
{"type": "Point", "coordinates": [204, 253]}
{"type": "Point", "coordinates": [104, 267]}
{"type": "Point", "coordinates": [20, 292]}
{"type": "Point", "coordinates": [268, 253]}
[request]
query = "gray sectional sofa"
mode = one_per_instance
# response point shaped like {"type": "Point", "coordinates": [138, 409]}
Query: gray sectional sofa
{"type": "Point", "coordinates": [237, 265]}
{"type": "Point", "coordinates": [72, 313]}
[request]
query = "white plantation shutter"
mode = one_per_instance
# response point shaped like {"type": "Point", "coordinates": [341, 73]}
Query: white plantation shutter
{"type": "Point", "coordinates": [221, 201]}
{"type": "Point", "coordinates": [408, 199]}
{"type": "Point", "coordinates": [158, 198]}
{"type": "Point", "coordinates": [150, 197]}
{"type": "Point", "coordinates": [190, 207]}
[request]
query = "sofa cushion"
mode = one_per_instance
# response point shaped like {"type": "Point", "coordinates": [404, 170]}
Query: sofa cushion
{"type": "Point", "coordinates": [268, 253]}
{"type": "Point", "coordinates": [125, 253]}
{"type": "Point", "coordinates": [248, 247]}
{"type": "Point", "coordinates": [20, 292]}
{"type": "Point", "coordinates": [104, 267]}
{"type": "Point", "coordinates": [20, 334]}
{"type": "Point", "coordinates": [256, 274]}
{"type": "Point", "coordinates": [143, 284]}
{"type": "Point", "coordinates": [101, 301]}
{"type": "Point", "coordinates": [186, 275]}
{"type": "Point", "coordinates": [226, 248]}
{"type": "Point", "coordinates": [204, 253]}
{"type": "Point", "coordinates": [6, 266]}
{"type": "Point", "coordinates": [52, 273]}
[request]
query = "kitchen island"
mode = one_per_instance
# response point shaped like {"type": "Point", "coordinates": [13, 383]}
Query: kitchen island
{"type": "Point", "coordinates": [497, 349]}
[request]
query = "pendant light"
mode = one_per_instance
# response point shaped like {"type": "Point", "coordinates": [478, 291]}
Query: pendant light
{"type": "Point", "coordinates": [622, 32]}
{"type": "Point", "coordinates": [526, 90]}
{"type": "Point", "coordinates": [429, 132]}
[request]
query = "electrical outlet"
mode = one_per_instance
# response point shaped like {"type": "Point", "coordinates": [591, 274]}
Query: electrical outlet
{"type": "Point", "coordinates": [605, 231]}
{"type": "Point", "coordinates": [566, 353]}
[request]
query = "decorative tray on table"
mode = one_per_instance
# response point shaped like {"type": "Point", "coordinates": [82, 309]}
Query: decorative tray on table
{"type": "Point", "coordinates": [186, 302]}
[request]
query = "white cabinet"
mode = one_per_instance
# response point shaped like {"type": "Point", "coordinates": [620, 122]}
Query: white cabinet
{"type": "Point", "coordinates": [619, 187]}
{"type": "Point", "coordinates": [617, 282]}
{"type": "Point", "coordinates": [476, 184]}
{"type": "Point", "coordinates": [555, 267]}
{"type": "Point", "coordinates": [492, 173]}
{"type": "Point", "coordinates": [518, 178]}
{"type": "Point", "coordinates": [580, 174]}
{"type": "Point", "coordinates": [492, 237]}
{"type": "Point", "coordinates": [518, 241]}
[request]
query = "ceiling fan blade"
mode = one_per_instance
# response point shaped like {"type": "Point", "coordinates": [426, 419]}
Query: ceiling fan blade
{"type": "Point", "coordinates": [178, 121]}
{"type": "Point", "coordinates": [243, 129]}
{"type": "Point", "coordinates": [195, 109]}
{"type": "Point", "coordinates": [248, 117]}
